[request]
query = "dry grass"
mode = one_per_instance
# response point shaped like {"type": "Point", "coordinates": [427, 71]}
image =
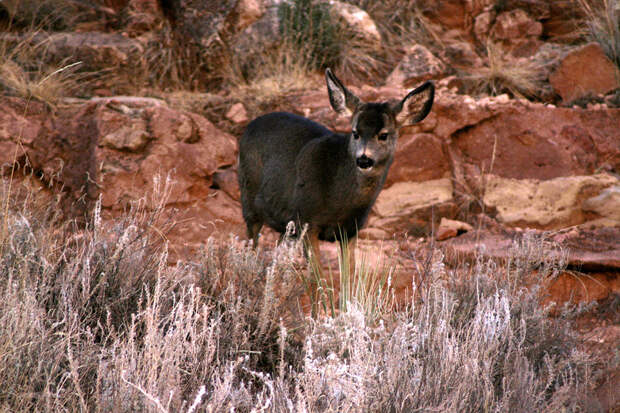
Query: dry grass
{"type": "Point", "coordinates": [44, 14]}
{"type": "Point", "coordinates": [170, 63]}
{"type": "Point", "coordinates": [94, 319]}
{"type": "Point", "coordinates": [23, 73]}
{"type": "Point", "coordinates": [602, 21]}
{"type": "Point", "coordinates": [280, 71]}
{"type": "Point", "coordinates": [503, 74]}
{"type": "Point", "coordinates": [401, 22]}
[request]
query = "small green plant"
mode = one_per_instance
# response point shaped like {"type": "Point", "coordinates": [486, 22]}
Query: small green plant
{"type": "Point", "coordinates": [359, 284]}
{"type": "Point", "coordinates": [365, 285]}
{"type": "Point", "coordinates": [310, 29]}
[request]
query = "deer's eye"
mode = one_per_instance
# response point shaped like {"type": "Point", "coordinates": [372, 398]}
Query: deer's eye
{"type": "Point", "coordinates": [355, 135]}
{"type": "Point", "coordinates": [383, 137]}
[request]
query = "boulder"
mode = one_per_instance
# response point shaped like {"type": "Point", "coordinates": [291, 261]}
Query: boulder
{"type": "Point", "coordinates": [185, 146]}
{"type": "Point", "coordinates": [517, 32]}
{"type": "Point", "coordinates": [225, 179]}
{"type": "Point", "coordinates": [551, 204]}
{"type": "Point", "coordinates": [163, 121]}
{"type": "Point", "coordinates": [411, 207]}
{"type": "Point", "coordinates": [123, 131]}
{"type": "Point", "coordinates": [419, 157]}
{"type": "Point", "coordinates": [418, 65]}
{"type": "Point", "coordinates": [356, 21]}
{"type": "Point", "coordinates": [404, 197]}
{"type": "Point", "coordinates": [605, 205]}
{"type": "Point", "coordinates": [449, 228]}
{"type": "Point", "coordinates": [521, 140]}
{"type": "Point", "coordinates": [237, 113]}
{"type": "Point", "coordinates": [182, 170]}
{"type": "Point", "coordinates": [585, 72]}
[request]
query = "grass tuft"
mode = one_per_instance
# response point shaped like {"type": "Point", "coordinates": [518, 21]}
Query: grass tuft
{"type": "Point", "coordinates": [23, 74]}
{"type": "Point", "coordinates": [602, 21]}
{"type": "Point", "coordinates": [503, 75]}
{"type": "Point", "coordinates": [52, 15]}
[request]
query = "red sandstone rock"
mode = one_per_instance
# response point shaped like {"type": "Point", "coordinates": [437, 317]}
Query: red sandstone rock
{"type": "Point", "coordinates": [419, 157]}
{"type": "Point", "coordinates": [515, 24]}
{"type": "Point", "coordinates": [449, 228]}
{"type": "Point", "coordinates": [585, 72]}
{"type": "Point", "coordinates": [458, 143]}
{"type": "Point", "coordinates": [595, 250]}
{"type": "Point", "coordinates": [523, 140]}
{"type": "Point", "coordinates": [517, 32]}
{"type": "Point", "coordinates": [356, 21]}
{"type": "Point", "coordinates": [418, 65]}
{"type": "Point", "coordinates": [237, 113]}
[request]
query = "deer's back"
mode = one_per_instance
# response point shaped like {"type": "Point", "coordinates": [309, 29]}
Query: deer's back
{"type": "Point", "coordinates": [268, 151]}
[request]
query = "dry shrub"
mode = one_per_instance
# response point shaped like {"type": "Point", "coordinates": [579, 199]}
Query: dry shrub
{"type": "Point", "coordinates": [62, 292]}
{"type": "Point", "coordinates": [602, 21]}
{"type": "Point", "coordinates": [171, 63]}
{"type": "Point", "coordinates": [505, 74]}
{"type": "Point", "coordinates": [95, 319]}
{"type": "Point", "coordinates": [43, 14]}
{"type": "Point", "coordinates": [401, 23]}
{"type": "Point", "coordinates": [280, 71]}
{"type": "Point", "coordinates": [484, 344]}
{"type": "Point", "coordinates": [24, 73]}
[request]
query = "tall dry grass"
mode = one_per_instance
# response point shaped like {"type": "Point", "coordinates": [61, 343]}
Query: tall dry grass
{"type": "Point", "coordinates": [502, 74]}
{"type": "Point", "coordinates": [95, 319]}
{"type": "Point", "coordinates": [602, 22]}
{"type": "Point", "coordinates": [44, 14]}
{"type": "Point", "coordinates": [23, 73]}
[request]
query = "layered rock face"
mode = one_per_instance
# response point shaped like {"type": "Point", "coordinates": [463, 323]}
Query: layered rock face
{"type": "Point", "coordinates": [527, 165]}
{"type": "Point", "coordinates": [122, 151]}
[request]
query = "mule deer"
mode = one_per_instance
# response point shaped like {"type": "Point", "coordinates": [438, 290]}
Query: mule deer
{"type": "Point", "coordinates": [294, 169]}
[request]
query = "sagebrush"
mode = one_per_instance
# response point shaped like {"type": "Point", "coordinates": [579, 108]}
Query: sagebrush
{"type": "Point", "coordinates": [95, 318]}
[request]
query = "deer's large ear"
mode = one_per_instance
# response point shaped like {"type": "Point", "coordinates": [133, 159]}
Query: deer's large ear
{"type": "Point", "coordinates": [342, 99]}
{"type": "Point", "coordinates": [416, 105]}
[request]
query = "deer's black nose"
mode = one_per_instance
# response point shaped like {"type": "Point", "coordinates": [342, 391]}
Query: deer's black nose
{"type": "Point", "coordinates": [364, 162]}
